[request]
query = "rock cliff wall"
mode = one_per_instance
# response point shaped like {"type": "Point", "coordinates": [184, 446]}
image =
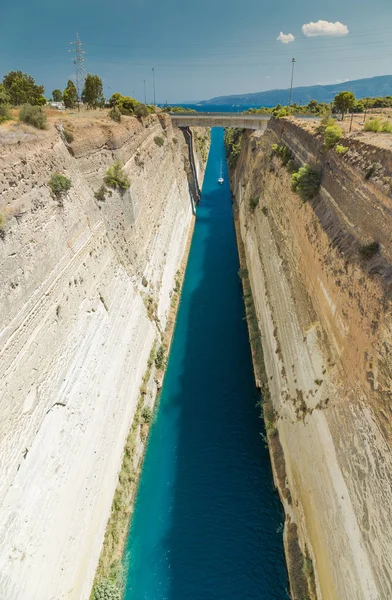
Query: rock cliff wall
{"type": "Point", "coordinates": [85, 287]}
{"type": "Point", "coordinates": [324, 316]}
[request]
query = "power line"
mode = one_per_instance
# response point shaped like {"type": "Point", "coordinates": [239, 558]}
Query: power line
{"type": "Point", "coordinates": [78, 61]}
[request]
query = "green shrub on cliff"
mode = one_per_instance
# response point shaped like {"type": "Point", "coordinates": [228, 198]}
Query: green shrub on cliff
{"type": "Point", "coordinates": [373, 125]}
{"type": "Point", "coordinates": [233, 141]}
{"type": "Point", "coordinates": [253, 203]}
{"type": "Point", "coordinates": [387, 127]}
{"type": "Point", "coordinates": [33, 115]}
{"type": "Point", "coordinates": [367, 251]}
{"type": "Point", "coordinates": [159, 141]}
{"type": "Point", "coordinates": [332, 135]}
{"type": "Point", "coordinates": [141, 110]}
{"type": "Point", "coordinates": [116, 178]}
{"type": "Point", "coordinates": [59, 185]}
{"type": "Point", "coordinates": [3, 222]}
{"type": "Point", "coordinates": [306, 182]}
{"type": "Point", "coordinates": [147, 414]}
{"type": "Point", "coordinates": [160, 358]}
{"type": "Point", "coordinates": [283, 152]}
{"type": "Point", "coordinates": [115, 114]}
{"type": "Point", "coordinates": [106, 590]}
{"type": "Point", "coordinates": [341, 149]}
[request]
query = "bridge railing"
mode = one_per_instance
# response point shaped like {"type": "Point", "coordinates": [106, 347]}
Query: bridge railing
{"type": "Point", "coordinates": [232, 115]}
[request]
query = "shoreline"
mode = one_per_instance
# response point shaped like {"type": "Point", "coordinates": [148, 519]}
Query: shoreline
{"type": "Point", "coordinates": [299, 579]}
{"type": "Point", "coordinates": [110, 566]}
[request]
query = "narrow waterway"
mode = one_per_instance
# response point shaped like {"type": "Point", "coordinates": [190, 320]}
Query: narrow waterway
{"type": "Point", "coordinates": [207, 523]}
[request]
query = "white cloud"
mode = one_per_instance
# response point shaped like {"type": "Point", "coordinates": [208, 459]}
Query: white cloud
{"type": "Point", "coordinates": [322, 28]}
{"type": "Point", "coordinates": [285, 38]}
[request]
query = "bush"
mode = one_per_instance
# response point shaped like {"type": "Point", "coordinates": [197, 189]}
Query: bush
{"type": "Point", "coordinates": [101, 193]}
{"type": "Point", "coordinates": [141, 110]}
{"type": "Point", "coordinates": [160, 358]}
{"type": "Point", "coordinates": [147, 414]}
{"type": "Point", "coordinates": [326, 121]}
{"type": "Point", "coordinates": [5, 114]}
{"type": "Point", "coordinates": [332, 135]}
{"type": "Point", "coordinates": [253, 202]}
{"type": "Point", "coordinates": [159, 141]}
{"type": "Point", "coordinates": [3, 222]}
{"type": "Point", "coordinates": [106, 590]}
{"type": "Point", "coordinates": [115, 114]}
{"type": "Point", "coordinates": [59, 184]}
{"type": "Point", "coordinates": [373, 125]}
{"type": "Point", "coordinates": [116, 178]}
{"type": "Point", "coordinates": [33, 115]}
{"type": "Point", "coordinates": [341, 149]}
{"type": "Point", "coordinates": [369, 250]}
{"type": "Point", "coordinates": [372, 170]}
{"type": "Point", "coordinates": [283, 153]}
{"type": "Point", "coordinates": [306, 182]}
{"type": "Point", "coordinates": [68, 136]}
{"type": "Point", "coordinates": [387, 127]}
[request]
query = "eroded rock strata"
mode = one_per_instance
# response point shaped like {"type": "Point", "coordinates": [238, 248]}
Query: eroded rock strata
{"type": "Point", "coordinates": [322, 303]}
{"type": "Point", "coordinates": [85, 293]}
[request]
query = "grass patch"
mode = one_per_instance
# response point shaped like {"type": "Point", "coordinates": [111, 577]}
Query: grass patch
{"type": "Point", "coordinates": [253, 203]}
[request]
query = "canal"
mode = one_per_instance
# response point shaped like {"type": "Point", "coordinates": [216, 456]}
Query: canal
{"type": "Point", "coordinates": [207, 523]}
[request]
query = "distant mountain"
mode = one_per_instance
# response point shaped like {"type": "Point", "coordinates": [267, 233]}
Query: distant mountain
{"type": "Point", "coordinates": [373, 87]}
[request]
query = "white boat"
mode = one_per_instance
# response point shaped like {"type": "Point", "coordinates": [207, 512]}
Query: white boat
{"type": "Point", "coordinates": [221, 180]}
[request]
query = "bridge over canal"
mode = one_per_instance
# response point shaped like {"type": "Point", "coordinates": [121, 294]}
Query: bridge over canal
{"type": "Point", "coordinates": [220, 119]}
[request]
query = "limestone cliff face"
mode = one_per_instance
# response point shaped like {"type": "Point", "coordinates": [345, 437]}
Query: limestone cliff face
{"type": "Point", "coordinates": [325, 322]}
{"type": "Point", "coordinates": [85, 289]}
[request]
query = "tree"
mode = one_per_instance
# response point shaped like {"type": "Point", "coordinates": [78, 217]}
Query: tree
{"type": "Point", "coordinates": [57, 96]}
{"type": "Point", "coordinates": [92, 94]}
{"type": "Point", "coordinates": [4, 97]}
{"type": "Point", "coordinates": [22, 89]}
{"type": "Point", "coordinates": [70, 95]}
{"type": "Point", "coordinates": [344, 102]}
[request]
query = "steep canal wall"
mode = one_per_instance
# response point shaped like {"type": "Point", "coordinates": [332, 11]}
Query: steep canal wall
{"type": "Point", "coordinates": [87, 286]}
{"type": "Point", "coordinates": [321, 310]}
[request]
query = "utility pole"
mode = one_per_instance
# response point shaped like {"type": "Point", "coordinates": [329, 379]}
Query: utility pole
{"type": "Point", "coordinates": [78, 61]}
{"type": "Point", "coordinates": [153, 81]}
{"type": "Point", "coordinates": [145, 95]}
{"type": "Point", "coordinates": [292, 79]}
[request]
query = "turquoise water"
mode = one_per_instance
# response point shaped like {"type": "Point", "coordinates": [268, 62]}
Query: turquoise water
{"type": "Point", "coordinates": [207, 521]}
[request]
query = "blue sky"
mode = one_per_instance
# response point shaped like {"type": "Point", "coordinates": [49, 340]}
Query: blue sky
{"type": "Point", "coordinates": [199, 50]}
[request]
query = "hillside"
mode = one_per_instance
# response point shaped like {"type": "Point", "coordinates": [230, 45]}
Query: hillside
{"type": "Point", "coordinates": [373, 86]}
